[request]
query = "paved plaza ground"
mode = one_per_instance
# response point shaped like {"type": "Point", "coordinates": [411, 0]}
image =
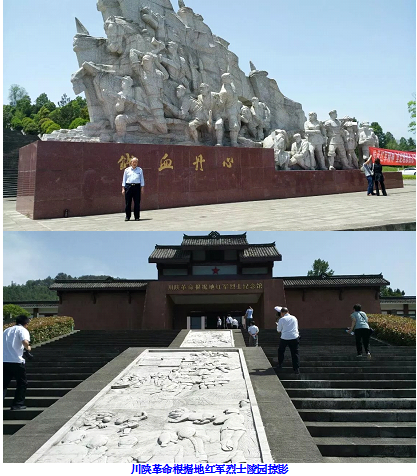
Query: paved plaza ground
{"type": "Point", "coordinates": [349, 211]}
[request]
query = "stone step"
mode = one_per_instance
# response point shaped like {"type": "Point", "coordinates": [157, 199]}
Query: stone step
{"type": "Point", "coordinates": [362, 429]}
{"type": "Point", "coordinates": [50, 383]}
{"type": "Point", "coordinates": [40, 392]}
{"type": "Point", "coordinates": [350, 393]}
{"type": "Point", "coordinates": [283, 376]}
{"type": "Point", "coordinates": [367, 384]}
{"type": "Point", "coordinates": [382, 459]}
{"type": "Point", "coordinates": [351, 415]}
{"type": "Point", "coordinates": [353, 369]}
{"type": "Point", "coordinates": [63, 369]}
{"type": "Point", "coordinates": [27, 414]}
{"type": "Point", "coordinates": [354, 404]}
{"type": "Point", "coordinates": [59, 376]}
{"type": "Point", "coordinates": [354, 362]}
{"type": "Point", "coordinates": [11, 426]}
{"type": "Point", "coordinates": [40, 401]}
{"type": "Point", "coordinates": [365, 447]}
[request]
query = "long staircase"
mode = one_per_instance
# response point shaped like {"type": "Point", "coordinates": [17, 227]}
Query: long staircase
{"type": "Point", "coordinates": [61, 365]}
{"type": "Point", "coordinates": [356, 409]}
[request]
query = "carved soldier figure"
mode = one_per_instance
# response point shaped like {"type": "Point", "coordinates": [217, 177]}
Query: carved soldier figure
{"type": "Point", "coordinates": [367, 138]}
{"type": "Point", "coordinates": [261, 116]}
{"type": "Point", "coordinates": [248, 128]}
{"type": "Point", "coordinates": [176, 65]}
{"type": "Point", "coordinates": [152, 79]}
{"type": "Point", "coordinates": [231, 112]}
{"type": "Point", "coordinates": [128, 108]}
{"type": "Point", "coordinates": [300, 153]}
{"type": "Point", "coordinates": [316, 136]}
{"type": "Point", "coordinates": [336, 143]}
{"type": "Point", "coordinates": [205, 112]}
{"type": "Point", "coordinates": [282, 157]}
{"type": "Point", "coordinates": [352, 133]}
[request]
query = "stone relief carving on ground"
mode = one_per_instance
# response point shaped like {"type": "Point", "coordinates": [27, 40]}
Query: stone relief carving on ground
{"type": "Point", "coordinates": [128, 423]}
{"type": "Point", "coordinates": [209, 339]}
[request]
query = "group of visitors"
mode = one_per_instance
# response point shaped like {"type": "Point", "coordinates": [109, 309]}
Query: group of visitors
{"type": "Point", "coordinates": [16, 340]}
{"type": "Point", "coordinates": [231, 322]}
{"type": "Point", "coordinates": [287, 327]}
{"type": "Point", "coordinates": [374, 176]}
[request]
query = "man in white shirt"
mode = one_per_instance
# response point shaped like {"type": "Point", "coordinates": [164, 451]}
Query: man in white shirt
{"type": "Point", "coordinates": [229, 321]}
{"type": "Point", "coordinates": [253, 335]}
{"type": "Point", "coordinates": [287, 326]}
{"type": "Point", "coordinates": [249, 317]}
{"type": "Point", "coordinates": [132, 188]}
{"type": "Point", "coordinates": [235, 324]}
{"type": "Point", "coordinates": [15, 339]}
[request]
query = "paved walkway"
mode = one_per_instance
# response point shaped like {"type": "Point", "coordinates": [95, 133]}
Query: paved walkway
{"type": "Point", "coordinates": [349, 211]}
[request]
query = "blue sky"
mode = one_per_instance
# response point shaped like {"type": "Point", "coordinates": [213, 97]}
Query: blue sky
{"type": "Point", "coordinates": [356, 56]}
{"type": "Point", "coordinates": [36, 255]}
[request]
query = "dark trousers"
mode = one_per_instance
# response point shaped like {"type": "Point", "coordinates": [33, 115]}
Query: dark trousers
{"type": "Point", "coordinates": [362, 336]}
{"type": "Point", "coordinates": [381, 182]}
{"type": "Point", "coordinates": [370, 180]}
{"type": "Point", "coordinates": [132, 192]}
{"type": "Point", "coordinates": [18, 372]}
{"type": "Point", "coordinates": [293, 345]}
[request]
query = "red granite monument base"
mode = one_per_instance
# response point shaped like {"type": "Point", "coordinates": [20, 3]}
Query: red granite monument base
{"type": "Point", "coordinates": [82, 179]}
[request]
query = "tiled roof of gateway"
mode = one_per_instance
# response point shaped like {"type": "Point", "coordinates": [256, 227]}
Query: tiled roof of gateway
{"type": "Point", "coordinates": [398, 300]}
{"type": "Point", "coordinates": [215, 239]}
{"type": "Point", "coordinates": [107, 285]}
{"type": "Point", "coordinates": [174, 253]}
{"type": "Point", "coordinates": [315, 281]}
{"type": "Point", "coordinates": [257, 252]}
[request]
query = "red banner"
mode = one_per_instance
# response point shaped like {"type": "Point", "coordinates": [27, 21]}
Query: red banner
{"type": "Point", "coordinates": [398, 158]}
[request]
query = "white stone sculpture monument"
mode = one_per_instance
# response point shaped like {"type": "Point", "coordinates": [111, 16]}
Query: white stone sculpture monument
{"type": "Point", "coordinates": [352, 137]}
{"type": "Point", "coordinates": [161, 49]}
{"type": "Point", "coordinates": [300, 154]}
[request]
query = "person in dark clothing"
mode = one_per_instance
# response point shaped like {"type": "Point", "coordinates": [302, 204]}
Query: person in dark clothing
{"type": "Point", "coordinates": [362, 330]}
{"type": "Point", "coordinates": [379, 177]}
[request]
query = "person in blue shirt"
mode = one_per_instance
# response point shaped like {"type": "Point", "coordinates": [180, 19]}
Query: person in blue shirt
{"type": "Point", "coordinates": [132, 188]}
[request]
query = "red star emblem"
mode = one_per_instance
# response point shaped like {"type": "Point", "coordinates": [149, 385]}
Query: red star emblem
{"type": "Point", "coordinates": [216, 270]}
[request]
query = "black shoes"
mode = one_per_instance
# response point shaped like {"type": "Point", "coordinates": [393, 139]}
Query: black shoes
{"type": "Point", "coordinates": [18, 407]}
{"type": "Point", "coordinates": [127, 219]}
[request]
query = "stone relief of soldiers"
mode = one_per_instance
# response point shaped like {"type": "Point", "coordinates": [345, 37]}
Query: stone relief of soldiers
{"type": "Point", "coordinates": [230, 117]}
{"type": "Point", "coordinates": [316, 136]}
{"type": "Point", "coordinates": [261, 117]}
{"type": "Point", "coordinates": [336, 141]}
{"type": "Point", "coordinates": [300, 154]}
{"type": "Point", "coordinates": [352, 133]}
{"type": "Point", "coordinates": [282, 157]}
{"type": "Point", "coordinates": [367, 138]}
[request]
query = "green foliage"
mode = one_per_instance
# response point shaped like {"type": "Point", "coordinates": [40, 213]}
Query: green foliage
{"type": "Point", "coordinates": [24, 105]}
{"type": "Point", "coordinates": [64, 100]}
{"type": "Point", "coordinates": [389, 292]}
{"type": "Point", "coordinates": [16, 92]}
{"type": "Point", "coordinates": [380, 133]}
{"type": "Point", "coordinates": [411, 144]}
{"type": "Point", "coordinates": [53, 127]}
{"type": "Point", "coordinates": [56, 116]}
{"type": "Point", "coordinates": [395, 330]}
{"type": "Point", "coordinates": [77, 122]}
{"type": "Point", "coordinates": [16, 123]}
{"type": "Point", "coordinates": [31, 129]}
{"type": "Point", "coordinates": [45, 328]}
{"type": "Point", "coordinates": [41, 101]}
{"type": "Point", "coordinates": [8, 112]}
{"type": "Point", "coordinates": [412, 111]}
{"type": "Point", "coordinates": [320, 267]}
{"type": "Point", "coordinates": [403, 144]}
{"type": "Point", "coordinates": [14, 311]}
{"type": "Point", "coordinates": [38, 290]}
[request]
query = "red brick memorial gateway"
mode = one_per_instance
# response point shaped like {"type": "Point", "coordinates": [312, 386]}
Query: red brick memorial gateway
{"type": "Point", "coordinates": [58, 179]}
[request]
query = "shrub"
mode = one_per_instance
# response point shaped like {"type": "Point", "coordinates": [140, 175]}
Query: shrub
{"type": "Point", "coordinates": [14, 310]}
{"type": "Point", "coordinates": [78, 122]}
{"type": "Point", "coordinates": [394, 330]}
{"type": "Point", "coordinates": [16, 123]}
{"type": "Point", "coordinates": [45, 328]}
{"type": "Point", "coordinates": [31, 129]}
{"type": "Point", "coordinates": [53, 127]}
